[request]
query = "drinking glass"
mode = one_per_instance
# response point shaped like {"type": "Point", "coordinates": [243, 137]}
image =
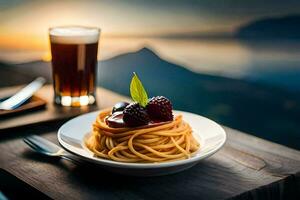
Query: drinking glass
{"type": "Point", "coordinates": [74, 64]}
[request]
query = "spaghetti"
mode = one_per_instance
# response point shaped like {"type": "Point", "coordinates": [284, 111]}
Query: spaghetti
{"type": "Point", "coordinates": [164, 142]}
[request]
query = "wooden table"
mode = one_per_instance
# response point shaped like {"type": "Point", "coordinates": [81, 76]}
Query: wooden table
{"type": "Point", "coordinates": [246, 168]}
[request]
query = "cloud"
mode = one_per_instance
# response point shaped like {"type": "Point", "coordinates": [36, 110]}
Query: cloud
{"type": "Point", "coordinates": [141, 16]}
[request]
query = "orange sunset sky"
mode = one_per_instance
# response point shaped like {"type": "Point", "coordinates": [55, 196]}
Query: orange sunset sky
{"type": "Point", "coordinates": [24, 23]}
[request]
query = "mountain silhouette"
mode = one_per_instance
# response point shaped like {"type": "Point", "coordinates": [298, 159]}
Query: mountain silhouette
{"type": "Point", "coordinates": [264, 111]}
{"type": "Point", "coordinates": [276, 27]}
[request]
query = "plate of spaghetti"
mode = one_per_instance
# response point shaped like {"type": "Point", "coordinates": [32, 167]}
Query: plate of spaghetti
{"type": "Point", "coordinates": [143, 138]}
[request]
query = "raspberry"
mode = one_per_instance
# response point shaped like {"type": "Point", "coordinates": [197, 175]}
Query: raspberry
{"type": "Point", "coordinates": [135, 115]}
{"type": "Point", "coordinates": [160, 109]}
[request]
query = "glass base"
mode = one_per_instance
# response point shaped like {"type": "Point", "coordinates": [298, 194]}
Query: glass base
{"type": "Point", "coordinates": [75, 101]}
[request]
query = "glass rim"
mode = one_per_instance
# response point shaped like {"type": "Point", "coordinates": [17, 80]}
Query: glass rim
{"type": "Point", "coordinates": [74, 26]}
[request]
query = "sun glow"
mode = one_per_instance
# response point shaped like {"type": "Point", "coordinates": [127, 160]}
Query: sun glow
{"type": "Point", "coordinates": [27, 32]}
{"type": "Point", "coordinates": [25, 26]}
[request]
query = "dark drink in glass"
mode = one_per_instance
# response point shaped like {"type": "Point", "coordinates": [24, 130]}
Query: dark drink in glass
{"type": "Point", "coordinates": [74, 64]}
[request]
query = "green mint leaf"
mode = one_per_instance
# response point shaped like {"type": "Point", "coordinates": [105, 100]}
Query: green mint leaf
{"type": "Point", "coordinates": [137, 91]}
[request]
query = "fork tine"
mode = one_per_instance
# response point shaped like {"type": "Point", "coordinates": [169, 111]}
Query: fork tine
{"type": "Point", "coordinates": [31, 144]}
{"type": "Point", "coordinates": [42, 145]}
{"type": "Point", "coordinates": [46, 147]}
{"type": "Point", "coordinates": [34, 143]}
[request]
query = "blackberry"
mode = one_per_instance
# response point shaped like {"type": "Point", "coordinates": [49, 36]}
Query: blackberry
{"type": "Point", "coordinates": [119, 106]}
{"type": "Point", "coordinates": [160, 109]}
{"type": "Point", "coordinates": [135, 115]}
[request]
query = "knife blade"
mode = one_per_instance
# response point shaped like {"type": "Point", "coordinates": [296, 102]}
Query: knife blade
{"type": "Point", "coordinates": [24, 94]}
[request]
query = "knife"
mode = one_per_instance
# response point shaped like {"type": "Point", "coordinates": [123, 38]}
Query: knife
{"type": "Point", "coordinates": [24, 94]}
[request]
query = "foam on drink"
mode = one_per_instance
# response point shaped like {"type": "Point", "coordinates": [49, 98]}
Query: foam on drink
{"type": "Point", "coordinates": [74, 35]}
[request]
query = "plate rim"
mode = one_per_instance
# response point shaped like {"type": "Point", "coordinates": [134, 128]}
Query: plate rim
{"type": "Point", "coordinates": [111, 163]}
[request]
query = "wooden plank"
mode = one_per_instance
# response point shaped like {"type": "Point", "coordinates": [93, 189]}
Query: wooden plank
{"type": "Point", "coordinates": [10, 184]}
{"type": "Point", "coordinates": [52, 112]}
{"type": "Point", "coordinates": [246, 168]}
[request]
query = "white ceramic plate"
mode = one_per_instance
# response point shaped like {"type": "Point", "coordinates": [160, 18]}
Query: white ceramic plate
{"type": "Point", "coordinates": [210, 135]}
